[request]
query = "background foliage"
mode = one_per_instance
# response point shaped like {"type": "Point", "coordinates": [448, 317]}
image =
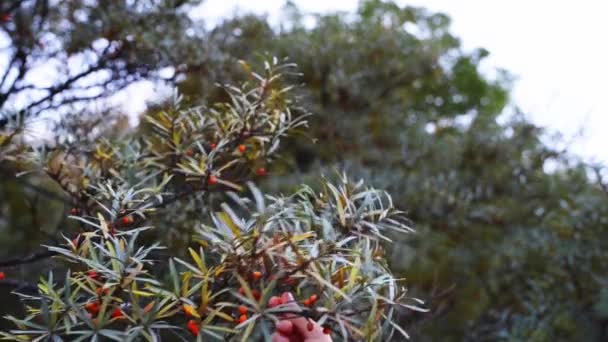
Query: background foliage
{"type": "Point", "coordinates": [511, 231]}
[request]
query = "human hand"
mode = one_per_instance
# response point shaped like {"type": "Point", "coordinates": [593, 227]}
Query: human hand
{"type": "Point", "coordinates": [298, 328]}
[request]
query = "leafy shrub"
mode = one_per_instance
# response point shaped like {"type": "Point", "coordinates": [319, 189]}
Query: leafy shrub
{"type": "Point", "coordinates": [192, 170]}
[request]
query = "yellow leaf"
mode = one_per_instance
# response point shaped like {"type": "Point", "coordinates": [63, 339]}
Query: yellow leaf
{"type": "Point", "coordinates": [222, 315]}
{"type": "Point", "coordinates": [197, 259]}
{"type": "Point", "coordinates": [354, 272]}
{"type": "Point", "coordinates": [142, 293]}
{"type": "Point", "coordinates": [228, 221]}
{"type": "Point", "coordinates": [300, 237]}
{"type": "Point", "coordinates": [219, 270]}
{"type": "Point", "coordinates": [202, 243]}
{"type": "Point", "coordinates": [186, 282]}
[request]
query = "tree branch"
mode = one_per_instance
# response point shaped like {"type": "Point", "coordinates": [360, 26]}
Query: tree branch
{"type": "Point", "coordinates": [27, 259]}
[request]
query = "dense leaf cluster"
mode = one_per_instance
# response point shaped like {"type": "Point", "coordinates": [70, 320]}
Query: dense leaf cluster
{"type": "Point", "coordinates": [325, 247]}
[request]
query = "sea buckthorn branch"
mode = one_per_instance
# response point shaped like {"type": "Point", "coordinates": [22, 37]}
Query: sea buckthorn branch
{"type": "Point", "coordinates": [322, 246]}
{"type": "Point", "coordinates": [77, 183]}
{"type": "Point", "coordinates": [225, 241]}
{"type": "Point", "coordinates": [135, 296]}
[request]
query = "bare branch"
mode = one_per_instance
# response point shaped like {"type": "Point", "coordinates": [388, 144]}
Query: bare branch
{"type": "Point", "coordinates": [27, 259]}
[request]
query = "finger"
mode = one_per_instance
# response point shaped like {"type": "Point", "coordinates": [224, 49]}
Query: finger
{"type": "Point", "coordinates": [303, 326]}
{"type": "Point", "coordinates": [276, 337]}
{"type": "Point", "coordinates": [285, 327]}
{"type": "Point", "coordinates": [287, 298]}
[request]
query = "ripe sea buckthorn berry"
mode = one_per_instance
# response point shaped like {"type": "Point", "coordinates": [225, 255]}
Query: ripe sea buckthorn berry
{"type": "Point", "coordinates": [313, 298]}
{"type": "Point", "coordinates": [5, 17]}
{"type": "Point", "coordinates": [212, 180]}
{"type": "Point", "coordinates": [93, 274]}
{"type": "Point", "coordinates": [326, 331]}
{"type": "Point", "coordinates": [117, 313]}
{"type": "Point", "coordinates": [213, 146]}
{"type": "Point", "coordinates": [242, 309]}
{"type": "Point", "coordinates": [193, 327]}
{"type": "Point", "coordinates": [256, 294]}
{"type": "Point", "coordinates": [242, 148]}
{"type": "Point", "coordinates": [189, 152]}
{"type": "Point", "coordinates": [2, 276]}
{"type": "Point", "coordinates": [307, 302]}
{"type": "Point", "coordinates": [243, 318]}
{"type": "Point", "coordinates": [257, 275]}
{"type": "Point", "coordinates": [92, 308]}
{"type": "Point", "coordinates": [101, 291]}
{"type": "Point", "coordinates": [74, 211]}
{"type": "Point", "coordinates": [310, 326]}
{"type": "Point", "coordinates": [241, 290]}
{"type": "Point", "coordinates": [127, 220]}
{"type": "Point", "coordinates": [261, 172]}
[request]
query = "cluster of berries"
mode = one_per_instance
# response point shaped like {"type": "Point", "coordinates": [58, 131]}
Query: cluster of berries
{"type": "Point", "coordinates": [94, 307]}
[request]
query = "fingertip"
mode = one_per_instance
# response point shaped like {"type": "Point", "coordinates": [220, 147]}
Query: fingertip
{"type": "Point", "coordinates": [285, 327]}
{"type": "Point", "coordinates": [287, 297]}
{"type": "Point", "coordinates": [279, 338]}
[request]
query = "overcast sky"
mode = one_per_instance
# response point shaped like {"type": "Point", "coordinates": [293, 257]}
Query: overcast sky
{"type": "Point", "coordinates": [557, 50]}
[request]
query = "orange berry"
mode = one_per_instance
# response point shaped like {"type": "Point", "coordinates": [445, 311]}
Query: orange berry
{"type": "Point", "coordinates": [2, 276]}
{"type": "Point", "coordinates": [307, 302]}
{"type": "Point", "coordinates": [93, 274]}
{"type": "Point", "coordinates": [127, 220]}
{"type": "Point", "coordinates": [242, 310]}
{"type": "Point", "coordinates": [212, 180]}
{"type": "Point", "coordinates": [313, 298]}
{"type": "Point", "coordinates": [257, 275]}
{"type": "Point", "coordinates": [310, 326]}
{"type": "Point", "coordinates": [117, 313]}
{"type": "Point", "coordinates": [189, 152]}
{"type": "Point", "coordinates": [74, 211]}
{"type": "Point", "coordinates": [92, 308]}
{"type": "Point", "coordinates": [326, 331]}
{"type": "Point", "coordinates": [101, 291]}
{"type": "Point", "coordinates": [241, 290]}
{"type": "Point", "coordinates": [261, 172]}
{"type": "Point", "coordinates": [243, 318]}
{"type": "Point", "coordinates": [242, 148]}
{"type": "Point", "coordinates": [213, 146]}
{"type": "Point", "coordinates": [256, 294]}
{"type": "Point", "coordinates": [194, 328]}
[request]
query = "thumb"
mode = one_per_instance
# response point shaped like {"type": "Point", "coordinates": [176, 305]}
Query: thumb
{"type": "Point", "coordinates": [305, 327]}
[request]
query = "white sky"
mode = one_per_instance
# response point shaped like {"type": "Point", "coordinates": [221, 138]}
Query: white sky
{"type": "Point", "coordinates": [553, 47]}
